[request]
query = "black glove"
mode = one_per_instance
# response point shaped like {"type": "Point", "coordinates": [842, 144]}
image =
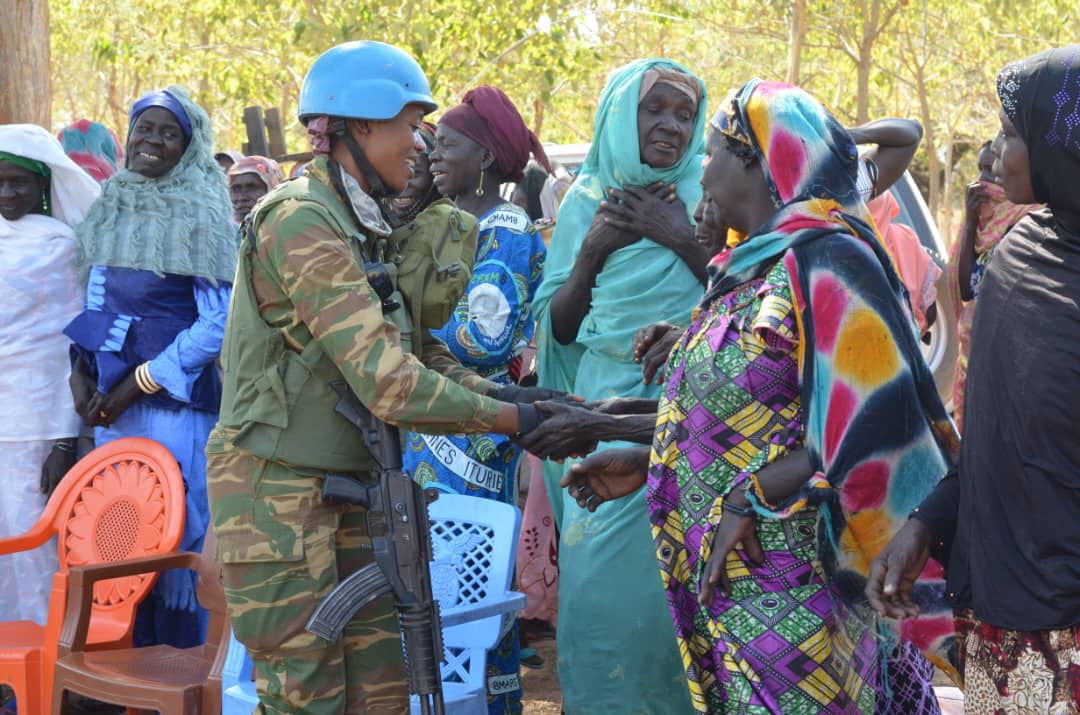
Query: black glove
{"type": "Point", "coordinates": [528, 395]}
{"type": "Point", "coordinates": [60, 460]}
{"type": "Point", "coordinates": [528, 419]}
{"type": "Point", "coordinates": [560, 430]}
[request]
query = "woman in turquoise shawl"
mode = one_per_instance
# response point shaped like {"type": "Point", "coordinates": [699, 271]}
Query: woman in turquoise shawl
{"type": "Point", "coordinates": [623, 256]}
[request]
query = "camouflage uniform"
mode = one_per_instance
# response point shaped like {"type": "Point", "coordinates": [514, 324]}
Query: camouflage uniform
{"type": "Point", "coordinates": [281, 547]}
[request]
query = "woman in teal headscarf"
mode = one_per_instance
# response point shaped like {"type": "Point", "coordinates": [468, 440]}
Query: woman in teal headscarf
{"type": "Point", "coordinates": [623, 256]}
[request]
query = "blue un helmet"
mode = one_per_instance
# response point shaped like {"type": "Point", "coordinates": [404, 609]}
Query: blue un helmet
{"type": "Point", "coordinates": [364, 80]}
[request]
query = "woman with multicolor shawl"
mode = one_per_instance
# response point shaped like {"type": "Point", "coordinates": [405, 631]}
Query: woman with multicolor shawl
{"type": "Point", "coordinates": [988, 216]}
{"type": "Point", "coordinates": [800, 420]}
{"type": "Point", "coordinates": [1004, 524]}
{"type": "Point", "coordinates": [160, 254]}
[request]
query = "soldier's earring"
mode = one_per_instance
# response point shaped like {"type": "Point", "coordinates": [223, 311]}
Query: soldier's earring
{"type": "Point", "coordinates": [480, 188]}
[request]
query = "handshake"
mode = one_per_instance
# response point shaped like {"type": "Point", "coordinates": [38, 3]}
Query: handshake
{"type": "Point", "coordinates": [564, 426]}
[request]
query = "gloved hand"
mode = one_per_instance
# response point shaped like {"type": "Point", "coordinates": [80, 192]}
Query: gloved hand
{"type": "Point", "coordinates": [528, 395]}
{"type": "Point", "coordinates": [558, 430]}
{"type": "Point", "coordinates": [60, 460]}
{"type": "Point", "coordinates": [176, 588]}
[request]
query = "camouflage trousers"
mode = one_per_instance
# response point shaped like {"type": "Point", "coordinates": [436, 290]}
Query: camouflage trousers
{"type": "Point", "coordinates": [282, 550]}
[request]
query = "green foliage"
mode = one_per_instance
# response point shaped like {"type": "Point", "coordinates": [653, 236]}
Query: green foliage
{"type": "Point", "coordinates": [931, 59]}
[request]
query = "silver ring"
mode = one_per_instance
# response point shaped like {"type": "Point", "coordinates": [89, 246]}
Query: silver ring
{"type": "Point", "coordinates": [581, 489]}
{"type": "Point", "coordinates": [589, 500]}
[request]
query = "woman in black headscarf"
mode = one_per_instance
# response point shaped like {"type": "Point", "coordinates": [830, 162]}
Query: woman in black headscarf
{"type": "Point", "coordinates": [1005, 525]}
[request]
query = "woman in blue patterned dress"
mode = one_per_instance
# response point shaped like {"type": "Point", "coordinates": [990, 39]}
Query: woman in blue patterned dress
{"type": "Point", "coordinates": [161, 253]}
{"type": "Point", "coordinates": [479, 145]}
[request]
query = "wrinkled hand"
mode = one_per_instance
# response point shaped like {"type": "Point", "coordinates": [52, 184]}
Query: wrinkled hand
{"type": "Point", "coordinates": [565, 430]}
{"type": "Point", "coordinates": [611, 474]}
{"type": "Point", "coordinates": [603, 238]}
{"type": "Point", "coordinates": [82, 389]}
{"type": "Point", "coordinates": [57, 464]}
{"type": "Point", "coordinates": [103, 410]}
{"type": "Point", "coordinates": [623, 406]}
{"type": "Point", "coordinates": [654, 212]}
{"type": "Point", "coordinates": [729, 533]}
{"type": "Point", "coordinates": [652, 346]}
{"type": "Point", "coordinates": [529, 395]}
{"type": "Point", "coordinates": [894, 571]}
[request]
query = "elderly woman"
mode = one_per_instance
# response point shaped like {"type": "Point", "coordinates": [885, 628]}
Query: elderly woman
{"type": "Point", "coordinates": [479, 145]}
{"type": "Point", "coordinates": [623, 256]}
{"type": "Point", "coordinates": [42, 195]}
{"type": "Point", "coordinates": [160, 252]}
{"type": "Point", "coordinates": [799, 420]}
{"type": "Point", "coordinates": [251, 178]}
{"type": "Point", "coordinates": [1005, 524]}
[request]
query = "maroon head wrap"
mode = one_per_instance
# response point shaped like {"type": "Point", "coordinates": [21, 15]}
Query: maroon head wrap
{"type": "Point", "coordinates": [489, 118]}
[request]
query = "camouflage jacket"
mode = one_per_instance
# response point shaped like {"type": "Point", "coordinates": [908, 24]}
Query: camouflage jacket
{"type": "Point", "coordinates": [309, 283]}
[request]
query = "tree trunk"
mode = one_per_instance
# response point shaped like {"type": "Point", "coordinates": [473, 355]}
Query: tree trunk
{"type": "Point", "coordinates": [796, 38]}
{"type": "Point", "coordinates": [538, 118]}
{"type": "Point", "coordinates": [862, 110]}
{"type": "Point", "coordinates": [871, 15]}
{"type": "Point", "coordinates": [930, 143]}
{"type": "Point", "coordinates": [25, 91]}
{"type": "Point", "coordinates": [945, 219]}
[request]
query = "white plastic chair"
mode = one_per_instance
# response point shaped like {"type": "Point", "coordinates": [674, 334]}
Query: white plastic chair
{"type": "Point", "coordinates": [474, 541]}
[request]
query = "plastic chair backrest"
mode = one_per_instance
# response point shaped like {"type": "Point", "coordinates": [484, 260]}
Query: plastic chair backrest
{"type": "Point", "coordinates": [474, 545]}
{"type": "Point", "coordinates": [123, 500]}
{"type": "Point", "coordinates": [127, 500]}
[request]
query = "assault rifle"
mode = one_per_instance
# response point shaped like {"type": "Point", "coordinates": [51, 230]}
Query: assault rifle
{"type": "Point", "coordinates": [398, 525]}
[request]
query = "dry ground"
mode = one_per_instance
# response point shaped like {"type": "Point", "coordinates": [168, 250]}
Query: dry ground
{"type": "Point", "coordinates": [541, 686]}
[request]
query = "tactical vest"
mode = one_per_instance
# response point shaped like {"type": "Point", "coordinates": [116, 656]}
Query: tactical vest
{"type": "Point", "coordinates": [280, 401]}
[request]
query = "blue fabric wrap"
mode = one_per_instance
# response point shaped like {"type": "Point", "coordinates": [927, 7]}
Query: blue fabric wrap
{"type": "Point", "coordinates": [135, 320]}
{"type": "Point", "coordinates": [163, 99]}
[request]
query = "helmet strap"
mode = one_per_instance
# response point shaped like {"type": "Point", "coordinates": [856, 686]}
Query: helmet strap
{"type": "Point", "coordinates": [376, 188]}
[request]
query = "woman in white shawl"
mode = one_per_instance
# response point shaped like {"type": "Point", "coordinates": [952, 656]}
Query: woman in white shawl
{"type": "Point", "coordinates": [43, 194]}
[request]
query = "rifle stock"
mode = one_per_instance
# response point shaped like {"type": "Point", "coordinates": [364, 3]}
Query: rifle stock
{"type": "Point", "coordinates": [401, 539]}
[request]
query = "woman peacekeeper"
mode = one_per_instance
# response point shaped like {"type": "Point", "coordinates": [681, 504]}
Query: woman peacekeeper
{"type": "Point", "coordinates": [313, 283]}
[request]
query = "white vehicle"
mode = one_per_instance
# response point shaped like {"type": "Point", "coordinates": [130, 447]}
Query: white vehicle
{"type": "Point", "coordinates": [941, 351]}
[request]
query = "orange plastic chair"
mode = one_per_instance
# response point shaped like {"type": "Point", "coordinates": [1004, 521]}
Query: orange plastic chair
{"type": "Point", "coordinates": [122, 501]}
{"type": "Point", "coordinates": [172, 681]}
